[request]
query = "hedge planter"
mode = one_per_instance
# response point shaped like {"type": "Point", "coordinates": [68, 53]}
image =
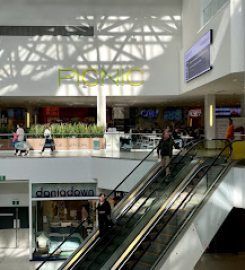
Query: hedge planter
{"type": "Point", "coordinates": [5, 144]}
{"type": "Point", "coordinates": [68, 143]}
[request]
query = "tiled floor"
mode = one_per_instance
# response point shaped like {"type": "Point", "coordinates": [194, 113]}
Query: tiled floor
{"type": "Point", "coordinates": [12, 258]}
{"type": "Point", "coordinates": [221, 262]}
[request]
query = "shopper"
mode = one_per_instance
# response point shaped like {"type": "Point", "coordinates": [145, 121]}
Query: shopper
{"type": "Point", "coordinates": [20, 144]}
{"type": "Point", "coordinates": [104, 214]}
{"type": "Point", "coordinates": [165, 149]}
{"type": "Point", "coordinates": [177, 139]}
{"type": "Point", "coordinates": [230, 131]}
{"type": "Point", "coordinates": [49, 143]}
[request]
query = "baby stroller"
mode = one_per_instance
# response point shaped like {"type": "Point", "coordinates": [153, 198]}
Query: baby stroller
{"type": "Point", "coordinates": [21, 147]}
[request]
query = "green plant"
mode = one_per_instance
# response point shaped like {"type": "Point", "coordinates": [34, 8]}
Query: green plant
{"type": "Point", "coordinates": [68, 130]}
{"type": "Point", "coordinates": [56, 130]}
{"type": "Point", "coordinates": [36, 131]}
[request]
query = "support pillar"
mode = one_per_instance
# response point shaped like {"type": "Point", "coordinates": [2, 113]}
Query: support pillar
{"type": "Point", "coordinates": [101, 109]}
{"type": "Point", "coordinates": [242, 103]}
{"type": "Point", "coordinates": [209, 120]}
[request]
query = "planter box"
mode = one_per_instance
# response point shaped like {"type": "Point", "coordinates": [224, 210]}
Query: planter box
{"type": "Point", "coordinates": [35, 144]}
{"type": "Point", "coordinates": [5, 144]}
{"type": "Point", "coordinates": [67, 143]}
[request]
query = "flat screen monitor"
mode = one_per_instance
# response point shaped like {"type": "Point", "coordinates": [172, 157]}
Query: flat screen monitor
{"type": "Point", "coordinates": [228, 112]}
{"type": "Point", "coordinates": [149, 113]}
{"type": "Point", "coordinates": [173, 115]}
{"type": "Point", "coordinates": [197, 58]}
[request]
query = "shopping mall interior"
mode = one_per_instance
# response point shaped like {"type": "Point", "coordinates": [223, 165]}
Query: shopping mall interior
{"type": "Point", "coordinates": [122, 134]}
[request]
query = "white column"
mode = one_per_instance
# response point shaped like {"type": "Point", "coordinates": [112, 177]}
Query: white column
{"type": "Point", "coordinates": [101, 109]}
{"type": "Point", "coordinates": [209, 120]}
{"type": "Point", "coordinates": [242, 105]}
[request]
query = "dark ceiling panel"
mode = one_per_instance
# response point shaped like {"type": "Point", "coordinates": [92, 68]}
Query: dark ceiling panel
{"type": "Point", "coordinates": [46, 30]}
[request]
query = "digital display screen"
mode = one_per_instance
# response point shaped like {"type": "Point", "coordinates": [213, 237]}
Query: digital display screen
{"type": "Point", "coordinates": [149, 113]}
{"type": "Point", "coordinates": [195, 113]}
{"type": "Point", "coordinates": [173, 115]}
{"type": "Point", "coordinates": [197, 58]}
{"type": "Point", "coordinates": [228, 112]}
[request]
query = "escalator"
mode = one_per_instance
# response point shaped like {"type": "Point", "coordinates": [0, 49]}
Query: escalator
{"type": "Point", "coordinates": [162, 231]}
{"type": "Point", "coordinates": [147, 219]}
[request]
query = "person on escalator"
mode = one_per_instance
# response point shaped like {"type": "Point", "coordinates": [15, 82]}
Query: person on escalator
{"type": "Point", "coordinates": [104, 214]}
{"type": "Point", "coordinates": [165, 150]}
{"type": "Point", "coordinates": [230, 131]}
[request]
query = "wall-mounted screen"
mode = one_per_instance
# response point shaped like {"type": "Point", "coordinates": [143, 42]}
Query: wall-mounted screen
{"type": "Point", "coordinates": [195, 113]}
{"type": "Point", "coordinates": [173, 115]}
{"type": "Point", "coordinates": [228, 112]}
{"type": "Point", "coordinates": [149, 113]}
{"type": "Point", "coordinates": [197, 58]}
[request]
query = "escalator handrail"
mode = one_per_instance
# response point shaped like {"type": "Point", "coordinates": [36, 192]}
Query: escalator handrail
{"type": "Point", "coordinates": [134, 169]}
{"type": "Point", "coordinates": [170, 204]}
{"type": "Point", "coordinates": [175, 165]}
{"type": "Point", "coordinates": [131, 217]}
{"type": "Point", "coordinates": [125, 178]}
{"type": "Point", "coordinates": [82, 222]}
{"type": "Point", "coordinates": [82, 254]}
{"type": "Point", "coordinates": [193, 211]}
{"type": "Point", "coordinates": [96, 231]}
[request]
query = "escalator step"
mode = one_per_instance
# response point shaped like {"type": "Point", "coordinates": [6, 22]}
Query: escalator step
{"type": "Point", "coordinates": [129, 265]}
{"type": "Point", "coordinates": [145, 244]}
{"type": "Point", "coordinates": [141, 266]}
{"type": "Point", "coordinates": [157, 247]}
{"type": "Point", "coordinates": [164, 238]}
{"type": "Point", "coordinates": [149, 257]}
{"type": "Point", "coordinates": [137, 254]}
{"type": "Point", "coordinates": [94, 266]}
{"type": "Point", "coordinates": [169, 229]}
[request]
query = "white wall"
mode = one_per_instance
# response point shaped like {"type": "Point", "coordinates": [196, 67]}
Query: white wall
{"type": "Point", "coordinates": [205, 224]}
{"type": "Point", "coordinates": [108, 172]}
{"type": "Point", "coordinates": [144, 34]}
{"type": "Point", "coordinates": [14, 191]}
{"type": "Point", "coordinates": [227, 50]}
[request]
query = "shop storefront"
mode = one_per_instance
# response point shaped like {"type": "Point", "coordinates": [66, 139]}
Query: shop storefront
{"type": "Point", "coordinates": [56, 209]}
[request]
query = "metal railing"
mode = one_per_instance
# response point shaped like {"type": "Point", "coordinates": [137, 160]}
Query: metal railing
{"type": "Point", "coordinates": [143, 234]}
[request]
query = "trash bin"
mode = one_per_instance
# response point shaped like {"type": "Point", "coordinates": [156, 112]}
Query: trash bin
{"type": "Point", "coordinates": [96, 144]}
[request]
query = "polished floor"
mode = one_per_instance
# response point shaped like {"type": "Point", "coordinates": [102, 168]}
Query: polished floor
{"type": "Point", "coordinates": [138, 155]}
{"type": "Point", "coordinates": [17, 258]}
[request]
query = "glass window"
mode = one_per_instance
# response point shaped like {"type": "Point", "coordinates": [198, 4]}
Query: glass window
{"type": "Point", "coordinates": [210, 8]}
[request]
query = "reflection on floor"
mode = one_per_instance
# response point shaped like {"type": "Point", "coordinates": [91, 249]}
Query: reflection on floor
{"type": "Point", "coordinates": [12, 258]}
{"type": "Point", "coordinates": [81, 153]}
{"type": "Point", "coordinates": [221, 262]}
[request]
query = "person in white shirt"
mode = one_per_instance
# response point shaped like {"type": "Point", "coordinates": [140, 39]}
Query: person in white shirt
{"type": "Point", "coordinates": [49, 143]}
{"type": "Point", "coordinates": [21, 145]}
{"type": "Point", "coordinates": [20, 133]}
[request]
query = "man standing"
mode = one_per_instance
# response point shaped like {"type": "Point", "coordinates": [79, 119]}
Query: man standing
{"type": "Point", "coordinates": [165, 150]}
{"type": "Point", "coordinates": [104, 214]}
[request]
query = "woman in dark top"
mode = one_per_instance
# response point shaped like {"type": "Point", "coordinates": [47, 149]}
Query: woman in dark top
{"type": "Point", "coordinates": [104, 214]}
{"type": "Point", "coordinates": [165, 150]}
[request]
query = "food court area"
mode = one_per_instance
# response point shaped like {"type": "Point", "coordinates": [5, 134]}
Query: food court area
{"type": "Point", "coordinates": [130, 125]}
